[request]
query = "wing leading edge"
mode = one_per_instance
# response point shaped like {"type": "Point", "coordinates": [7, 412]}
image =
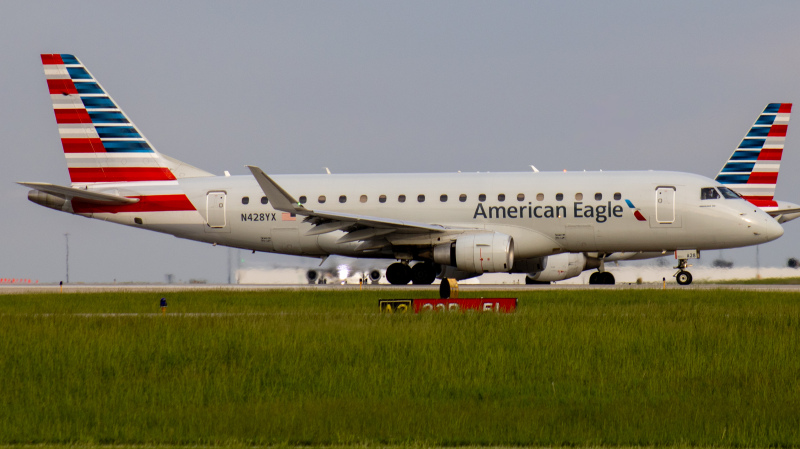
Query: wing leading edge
{"type": "Point", "coordinates": [358, 227]}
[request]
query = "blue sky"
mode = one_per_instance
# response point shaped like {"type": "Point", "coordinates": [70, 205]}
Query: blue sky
{"type": "Point", "coordinates": [382, 87]}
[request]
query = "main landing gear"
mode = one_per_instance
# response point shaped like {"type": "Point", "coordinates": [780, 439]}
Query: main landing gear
{"type": "Point", "coordinates": [422, 273]}
{"type": "Point", "coordinates": [683, 277]}
{"type": "Point", "coordinates": [602, 277]}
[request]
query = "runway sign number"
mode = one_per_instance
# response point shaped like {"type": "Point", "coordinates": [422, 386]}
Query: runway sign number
{"type": "Point", "coordinates": [500, 305]}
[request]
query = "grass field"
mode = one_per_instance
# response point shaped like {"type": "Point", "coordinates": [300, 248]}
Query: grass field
{"type": "Point", "coordinates": [627, 368]}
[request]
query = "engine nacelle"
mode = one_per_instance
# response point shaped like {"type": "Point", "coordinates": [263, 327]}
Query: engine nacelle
{"type": "Point", "coordinates": [313, 276]}
{"type": "Point", "coordinates": [478, 253]}
{"type": "Point", "coordinates": [556, 267]}
{"type": "Point", "coordinates": [375, 276]}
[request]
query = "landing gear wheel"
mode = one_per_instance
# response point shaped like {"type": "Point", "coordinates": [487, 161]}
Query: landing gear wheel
{"type": "Point", "coordinates": [423, 273]}
{"type": "Point", "coordinates": [602, 278]}
{"type": "Point", "coordinates": [398, 274]}
{"type": "Point", "coordinates": [530, 281]}
{"type": "Point", "coordinates": [683, 277]}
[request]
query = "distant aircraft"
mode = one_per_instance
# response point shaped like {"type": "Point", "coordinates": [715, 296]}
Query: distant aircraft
{"type": "Point", "coordinates": [549, 225]}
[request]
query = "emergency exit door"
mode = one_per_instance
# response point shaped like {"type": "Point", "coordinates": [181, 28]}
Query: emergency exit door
{"type": "Point", "coordinates": [665, 204]}
{"type": "Point", "coordinates": [215, 209]}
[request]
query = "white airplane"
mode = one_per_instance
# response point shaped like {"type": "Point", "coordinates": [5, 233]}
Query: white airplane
{"type": "Point", "coordinates": [549, 225]}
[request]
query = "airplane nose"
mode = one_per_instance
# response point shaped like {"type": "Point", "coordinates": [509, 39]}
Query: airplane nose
{"type": "Point", "coordinates": [773, 229]}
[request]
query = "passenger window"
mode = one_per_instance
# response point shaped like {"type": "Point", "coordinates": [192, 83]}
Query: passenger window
{"type": "Point", "coordinates": [342, 198]}
{"type": "Point", "coordinates": [578, 196]}
{"type": "Point", "coordinates": [540, 197]}
{"type": "Point", "coordinates": [321, 199]}
{"type": "Point", "coordinates": [598, 196]}
{"type": "Point", "coordinates": [382, 199]}
{"type": "Point", "coordinates": [709, 193]}
{"type": "Point", "coordinates": [401, 199]}
{"type": "Point", "coordinates": [617, 196]}
{"type": "Point", "coordinates": [245, 199]}
{"type": "Point", "coordinates": [501, 197]}
{"type": "Point", "coordinates": [421, 198]}
{"type": "Point", "coordinates": [482, 197]}
{"type": "Point", "coordinates": [520, 197]}
{"type": "Point", "coordinates": [264, 200]}
{"type": "Point", "coordinates": [443, 198]}
{"type": "Point", "coordinates": [302, 199]}
{"type": "Point", "coordinates": [462, 198]}
{"type": "Point", "coordinates": [559, 196]}
{"type": "Point", "coordinates": [363, 198]}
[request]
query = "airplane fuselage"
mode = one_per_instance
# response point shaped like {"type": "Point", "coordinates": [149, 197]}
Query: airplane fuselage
{"type": "Point", "coordinates": [545, 213]}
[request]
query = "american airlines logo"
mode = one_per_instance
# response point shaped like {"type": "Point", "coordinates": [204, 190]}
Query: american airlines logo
{"type": "Point", "coordinates": [600, 214]}
{"type": "Point", "coordinates": [636, 212]}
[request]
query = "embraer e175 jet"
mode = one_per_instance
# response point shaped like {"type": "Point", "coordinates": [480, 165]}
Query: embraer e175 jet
{"type": "Point", "coordinates": [551, 226]}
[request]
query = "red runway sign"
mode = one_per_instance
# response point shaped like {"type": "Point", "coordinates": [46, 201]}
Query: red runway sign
{"type": "Point", "coordinates": [500, 305]}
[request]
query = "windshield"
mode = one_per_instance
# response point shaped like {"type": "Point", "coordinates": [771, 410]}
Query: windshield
{"type": "Point", "coordinates": [709, 193]}
{"type": "Point", "coordinates": [728, 193]}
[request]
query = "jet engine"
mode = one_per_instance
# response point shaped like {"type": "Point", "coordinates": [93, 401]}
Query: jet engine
{"type": "Point", "coordinates": [313, 276]}
{"type": "Point", "coordinates": [556, 267]}
{"type": "Point", "coordinates": [375, 276]}
{"type": "Point", "coordinates": [478, 253]}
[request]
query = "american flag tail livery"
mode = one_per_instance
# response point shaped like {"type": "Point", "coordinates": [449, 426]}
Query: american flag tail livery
{"type": "Point", "coordinates": [752, 170]}
{"type": "Point", "coordinates": [106, 153]}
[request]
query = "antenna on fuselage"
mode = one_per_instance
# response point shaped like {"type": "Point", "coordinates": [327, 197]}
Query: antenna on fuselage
{"type": "Point", "coordinates": [327, 170]}
{"type": "Point", "coordinates": [535, 170]}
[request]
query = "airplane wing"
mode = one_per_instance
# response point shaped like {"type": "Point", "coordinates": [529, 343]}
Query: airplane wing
{"type": "Point", "coordinates": [359, 227]}
{"type": "Point", "coordinates": [69, 193]}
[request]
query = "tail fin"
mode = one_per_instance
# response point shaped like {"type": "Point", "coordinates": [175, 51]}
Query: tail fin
{"type": "Point", "coordinates": [100, 142]}
{"type": "Point", "coordinates": [752, 170]}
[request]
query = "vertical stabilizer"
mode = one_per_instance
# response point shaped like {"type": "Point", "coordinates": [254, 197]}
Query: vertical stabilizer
{"type": "Point", "coordinates": [752, 170]}
{"type": "Point", "coordinates": [101, 144]}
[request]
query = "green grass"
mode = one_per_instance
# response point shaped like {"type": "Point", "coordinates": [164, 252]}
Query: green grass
{"type": "Point", "coordinates": [777, 281]}
{"type": "Point", "coordinates": [631, 367]}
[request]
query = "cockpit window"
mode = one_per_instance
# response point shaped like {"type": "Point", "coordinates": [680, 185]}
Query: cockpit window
{"type": "Point", "coordinates": [728, 193]}
{"type": "Point", "coordinates": [709, 193]}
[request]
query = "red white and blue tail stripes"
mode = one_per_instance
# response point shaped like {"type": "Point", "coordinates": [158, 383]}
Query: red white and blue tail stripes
{"type": "Point", "coordinates": [100, 142]}
{"type": "Point", "coordinates": [103, 148]}
{"type": "Point", "coordinates": [752, 170]}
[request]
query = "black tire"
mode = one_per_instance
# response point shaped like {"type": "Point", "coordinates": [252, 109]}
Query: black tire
{"type": "Point", "coordinates": [684, 278]}
{"type": "Point", "coordinates": [594, 278]}
{"type": "Point", "coordinates": [423, 273]}
{"type": "Point", "coordinates": [607, 278]}
{"type": "Point", "coordinates": [398, 274]}
{"type": "Point", "coordinates": [530, 281]}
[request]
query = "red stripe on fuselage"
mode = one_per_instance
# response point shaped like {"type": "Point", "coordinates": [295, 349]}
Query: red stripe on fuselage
{"type": "Point", "coordinates": [72, 116]}
{"type": "Point", "coordinates": [761, 201]}
{"type": "Point", "coordinates": [61, 87]}
{"type": "Point", "coordinates": [770, 154]}
{"type": "Point", "coordinates": [83, 146]}
{"type": "Point", "coordinates": [152, 203]}
{"type": "Point", "coordinates": [52, 59]}
{"type": "Point", "coordinates": [763, 178]}
{"type": "Point", "coordinates": [120, 174]}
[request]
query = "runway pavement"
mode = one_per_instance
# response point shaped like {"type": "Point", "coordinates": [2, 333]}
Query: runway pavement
{"type": "Point", "coordinates": [93, 288]}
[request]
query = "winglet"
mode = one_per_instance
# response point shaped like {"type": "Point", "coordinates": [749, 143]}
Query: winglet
{"type": "Point", "coordinates": [280, 199]}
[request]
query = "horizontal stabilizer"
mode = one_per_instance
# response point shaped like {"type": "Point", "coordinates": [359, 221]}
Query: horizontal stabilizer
{"type": "Point", "coordinates": [69, 193]}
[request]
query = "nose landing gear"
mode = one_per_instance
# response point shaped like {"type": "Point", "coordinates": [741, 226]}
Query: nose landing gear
{"type": "Point", "coordinates": [682, 276]}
